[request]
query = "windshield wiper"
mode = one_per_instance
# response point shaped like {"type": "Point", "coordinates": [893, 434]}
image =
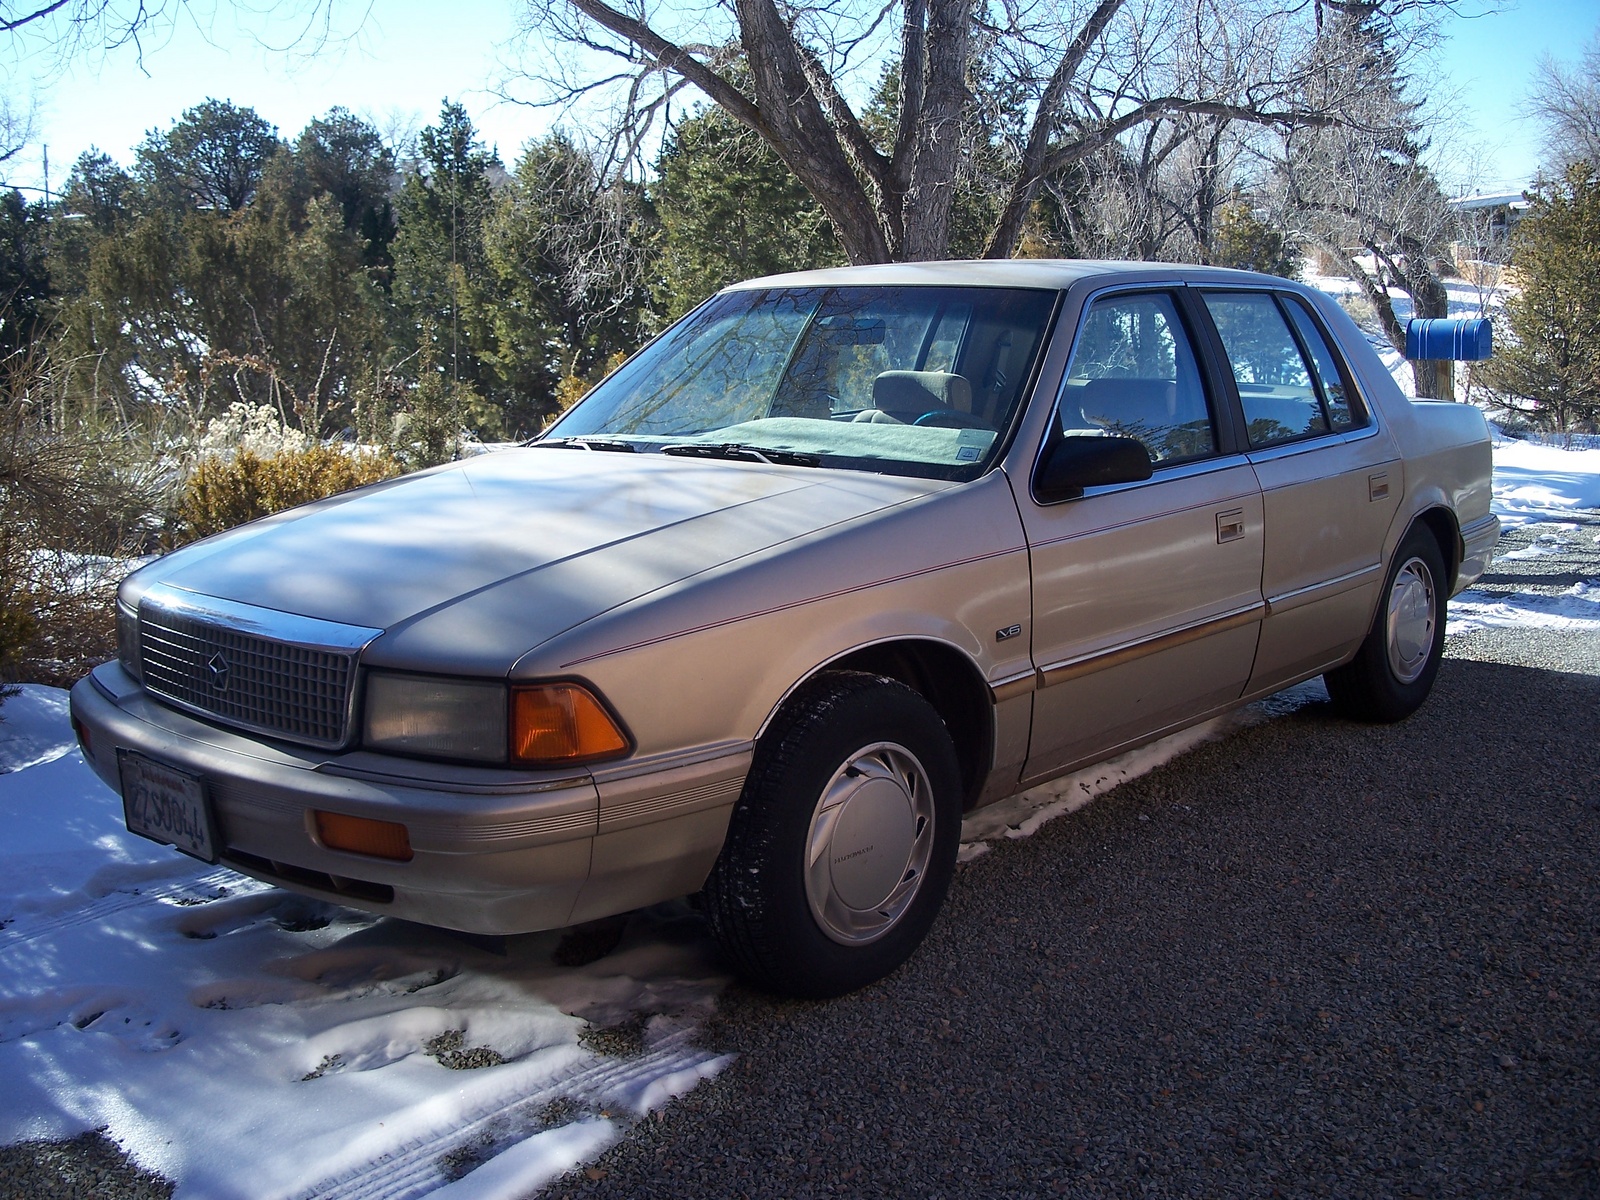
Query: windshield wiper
{"type": "Point", "coordinates": [586, 443]}
{"type": "Point", "coordinates": [744, 453]}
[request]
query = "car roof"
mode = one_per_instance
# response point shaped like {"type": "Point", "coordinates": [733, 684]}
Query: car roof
{"type": "Point", "coordinates": [1055, 273]}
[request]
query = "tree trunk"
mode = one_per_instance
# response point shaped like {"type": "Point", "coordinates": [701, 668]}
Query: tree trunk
{"type": "Point", "coordinates": [938, 134]}
{"type": "Point", "coordinates": [1435, 379]}
{"type": "Point", "coordinates": [799, 131]}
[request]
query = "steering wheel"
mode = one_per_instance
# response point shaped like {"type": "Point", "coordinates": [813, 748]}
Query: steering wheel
{"type": "Point", "coordinates": [949, 418]}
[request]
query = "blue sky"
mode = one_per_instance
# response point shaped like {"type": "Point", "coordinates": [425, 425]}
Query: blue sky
{"type": "Point", "coordinates": [405, 59]}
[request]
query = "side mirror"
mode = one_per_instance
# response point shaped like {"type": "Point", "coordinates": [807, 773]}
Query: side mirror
{"type": "Point", "coordinates": [1075, 463]}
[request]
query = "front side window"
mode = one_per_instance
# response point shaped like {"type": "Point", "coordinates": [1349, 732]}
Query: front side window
{"type": "Point", "coordinates": [1285, 396]}
{"type": "Point", "coordinates": [902, 380]}
{"type": "Point", "coordinates": [1134, 374]}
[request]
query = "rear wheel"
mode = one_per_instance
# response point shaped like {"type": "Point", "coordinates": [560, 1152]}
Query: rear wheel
{"type": "Point", "coordinates": [841, 847]}
{"type": "Point", "coordinates": [1393, 672]}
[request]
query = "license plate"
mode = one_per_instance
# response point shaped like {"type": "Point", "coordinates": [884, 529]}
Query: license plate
{"type": "Point", "coordinates": [166, 805]}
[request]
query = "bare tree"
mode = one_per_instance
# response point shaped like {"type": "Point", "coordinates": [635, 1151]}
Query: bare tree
{"type": "Point", "coordinates": [1360, 192]}
{"type": "Point", "coordinates": [66, 28]}
{"type": "Point", "coordinates": [1566, 102]}
{"type": "Point", "coordinates": [16, 128]}
{"type": "Point", "coordinates": [1078, 74]}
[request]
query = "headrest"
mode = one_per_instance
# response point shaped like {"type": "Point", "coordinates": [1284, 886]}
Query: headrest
{"type": "Point", "coordinates": [921, 391]}
{"type": "Point", "coordinates": [1129, 401]}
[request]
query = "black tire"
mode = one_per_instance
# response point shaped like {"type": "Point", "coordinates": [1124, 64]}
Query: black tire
{"type": "Point", "coordinates": [853, 764]}
{"type": "Point", "coordinates": [1392, 673]}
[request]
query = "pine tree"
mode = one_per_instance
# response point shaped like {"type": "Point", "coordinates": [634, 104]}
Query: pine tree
{"type": "Point", "coordinates": [1245, 241]}
{"type": "Point", "coordinates": [1549, 368]}
{"type": "Point", "coordinates": [571, 256]}
{"type": "Point", "coordinates": [729, 210]}
{"type": "Point", "coordinates": [442, 282]}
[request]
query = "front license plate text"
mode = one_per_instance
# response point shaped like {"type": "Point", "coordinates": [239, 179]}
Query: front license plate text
{"type": "Point", "coordinates": [166, 805]}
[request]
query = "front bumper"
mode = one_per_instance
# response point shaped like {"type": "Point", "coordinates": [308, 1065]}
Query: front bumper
{"type": "Point", "coordinates": [494, 851]}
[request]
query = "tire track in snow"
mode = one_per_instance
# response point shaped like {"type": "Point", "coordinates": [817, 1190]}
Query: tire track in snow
{"type": "Point", "coordinates": [412, 1169]}
{"type": "Point", "coordinates": [120, 899]}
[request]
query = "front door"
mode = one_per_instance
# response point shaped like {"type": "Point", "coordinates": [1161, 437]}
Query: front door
{"type": "Point", "coordinates": [1147, 596]}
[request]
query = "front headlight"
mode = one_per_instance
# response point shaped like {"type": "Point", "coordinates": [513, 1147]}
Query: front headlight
{"type": "Point", "coordinates": [432, 717]}
{"type": "Point", "coordinates": [531, 725]}
{"type": "Point", "coordinates": [128, 640]}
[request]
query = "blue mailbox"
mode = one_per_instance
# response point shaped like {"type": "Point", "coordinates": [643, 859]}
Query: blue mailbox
{"type": "Point", "coordinates": [1464, 339]}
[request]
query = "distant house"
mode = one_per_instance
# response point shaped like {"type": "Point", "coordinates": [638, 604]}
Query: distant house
{"type": "Point", "coordinates": [1486, 225]}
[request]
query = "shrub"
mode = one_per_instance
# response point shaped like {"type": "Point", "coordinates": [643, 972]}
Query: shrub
{"type": "Point", "coordinates": [1245, 241]}
{"type": "Point", "coordinates": [222, 492]}
{"type": "Point", "coordinates": [1548, 368]}
{"type": "Point", "coordinates": [74, 513]}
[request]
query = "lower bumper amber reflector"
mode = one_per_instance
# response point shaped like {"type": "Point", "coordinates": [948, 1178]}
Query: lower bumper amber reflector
{"type": "Point", "coordinates": [362, 835]}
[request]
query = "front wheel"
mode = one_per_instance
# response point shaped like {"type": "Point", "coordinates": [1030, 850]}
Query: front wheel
{"type": "Point", "coordinates": [1393, 672]}
{"type": "Point", "coordinates": [843, 842]}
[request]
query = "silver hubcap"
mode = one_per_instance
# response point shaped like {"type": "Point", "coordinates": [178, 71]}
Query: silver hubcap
{"type": "Point", "coordinates": [1410, 621]}
{"type": "Point", "coordinates": [870, 839]}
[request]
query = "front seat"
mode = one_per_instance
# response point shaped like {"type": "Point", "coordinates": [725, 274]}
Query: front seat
{"type": "Point", "coordinates": [900, 397]}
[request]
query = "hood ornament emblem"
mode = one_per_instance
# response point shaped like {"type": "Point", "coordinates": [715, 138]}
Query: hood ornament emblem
{"type": "Point", "coordinates": [218, 667]}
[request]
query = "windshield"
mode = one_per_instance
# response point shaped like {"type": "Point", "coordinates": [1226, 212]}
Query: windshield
{"type": "Point", "coordinates": [901, 380]}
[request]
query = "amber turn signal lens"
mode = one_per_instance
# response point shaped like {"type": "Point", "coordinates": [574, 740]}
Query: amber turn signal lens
{"type": "Point", "coordinates": [562, 723]}
{"type": "Point", "coordinates": [362, 835]}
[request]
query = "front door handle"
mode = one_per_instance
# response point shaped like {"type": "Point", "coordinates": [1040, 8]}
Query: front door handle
{"type": "Point", "coordinates": [1230, 525]}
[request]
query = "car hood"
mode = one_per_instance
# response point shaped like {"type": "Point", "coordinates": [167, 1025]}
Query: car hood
{"type": "Point", "coordinates": [468, 566]}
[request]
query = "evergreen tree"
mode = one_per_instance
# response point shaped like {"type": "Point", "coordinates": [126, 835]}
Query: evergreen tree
{"type": "Point", "coordinates": [1549, 368]}
{"type": "Point", "coordinates": [212, 158]}
{"type": "Point", "coordinates": [442, 282]}
{"type": "Point", "coordinates": [730, 209]}
{"type": "Point", "coordinates": [344, 157]}
{"type": "Point", "coordinates": [1243, 240]}
{"type": "Point", "coordinates": [570, 254]}
{"type": "Point", "coordinates": [172, 297]}
{"type": "Point", "coordinates": [25, 290]}
{"type": "Point", "coordinates": [94, 204]}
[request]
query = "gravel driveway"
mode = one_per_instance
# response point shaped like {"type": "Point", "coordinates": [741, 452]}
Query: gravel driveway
{"type": "Point", "coordinates": [1314, 958]}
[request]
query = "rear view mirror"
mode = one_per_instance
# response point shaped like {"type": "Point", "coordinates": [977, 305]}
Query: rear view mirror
{"type": "Point", "coordinates": [1075, 463]}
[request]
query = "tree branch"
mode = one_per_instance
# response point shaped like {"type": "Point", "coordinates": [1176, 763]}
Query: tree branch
{"type": "Point", "coordinates": [673, 57]}
{"type": "Point", "coordinates": [1009, 225]}
{"type": "Point", "coordinates": [12, 24]}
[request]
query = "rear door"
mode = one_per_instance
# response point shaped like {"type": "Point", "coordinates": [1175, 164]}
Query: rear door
{"type": "Point", "coordinates": [1147, 596]}
{"type": "Point", "coordinates": [1331, 481]}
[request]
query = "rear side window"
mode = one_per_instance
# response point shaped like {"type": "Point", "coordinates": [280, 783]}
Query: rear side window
{"type": "Point", "coordinates": [1342, 414]}
{"type": "Point", "coordinates": [1133, 374]}
{"type": "Point", "coordinates": [1276, 385]}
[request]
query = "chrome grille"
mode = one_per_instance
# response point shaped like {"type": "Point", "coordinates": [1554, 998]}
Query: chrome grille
{"type": "Point", "coordinates": [256, 669]}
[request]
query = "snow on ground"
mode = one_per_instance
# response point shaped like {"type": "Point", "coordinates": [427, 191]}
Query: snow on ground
{"type": "Point", "coordinates": [246, 1042]}
{"type": "Point", "coordinates": [1538, 489]}
{"type": "Point", "coordinates": [1576, 610]}
{"type": "Point", "coordinates": [1536, 484]}
{"type": "Point", "coordinates": [33, 727]}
